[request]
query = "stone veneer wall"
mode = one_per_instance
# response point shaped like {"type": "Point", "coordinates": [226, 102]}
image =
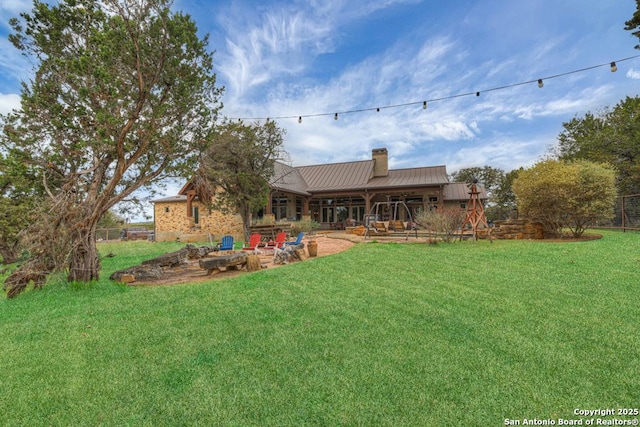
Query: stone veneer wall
{"type": "Point", "coordinates": [517, 229]}
{"type": "Point", "coordinates": [172, 223]}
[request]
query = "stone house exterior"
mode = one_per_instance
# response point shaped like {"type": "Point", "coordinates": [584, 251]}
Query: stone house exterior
{"type": "Point", "coordinates": [328, 193]}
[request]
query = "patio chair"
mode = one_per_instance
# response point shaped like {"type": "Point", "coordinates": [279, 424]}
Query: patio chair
{"type": "Point", "coordinates": [254, 240]}
{"type": "Point", "coordinates": [297, 241]}
{"type": "Point", "coordinates": [278, 242]}
{"type": "Point", "coordinates": [227, 243]}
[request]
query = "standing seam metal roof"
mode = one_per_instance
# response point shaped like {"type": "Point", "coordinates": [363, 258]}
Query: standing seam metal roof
{"type": "Point", "coordinates": [337, 176]}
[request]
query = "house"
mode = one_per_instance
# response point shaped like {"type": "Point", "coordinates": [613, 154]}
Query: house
{"type": "Point", "coordinates": [328, 193]}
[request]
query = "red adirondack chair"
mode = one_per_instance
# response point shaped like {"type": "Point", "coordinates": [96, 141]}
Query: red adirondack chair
{"type": "Point", "coordinates": [254, 240]}
{"type": "Point", "coordinates": [278, 242]}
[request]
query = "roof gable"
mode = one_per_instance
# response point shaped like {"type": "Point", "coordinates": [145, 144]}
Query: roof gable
{"type": "Point", "coordinates": [287, 178]}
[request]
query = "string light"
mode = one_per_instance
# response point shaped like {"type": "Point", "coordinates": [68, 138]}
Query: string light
{"type": "Point", "coordinates": [613, 66]}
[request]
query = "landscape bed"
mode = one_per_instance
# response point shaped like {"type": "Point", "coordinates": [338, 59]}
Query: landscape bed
{"type": "Point", "coordinates": [468, 333]}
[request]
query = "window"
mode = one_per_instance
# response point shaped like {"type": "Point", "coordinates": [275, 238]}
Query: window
{"type": "Point", "coordinates": [357, 213]}
{"type": "Point", "coordinates": [342, 212]}
{"type": "Point", "coordinates": [166, 209]}
{"type": "Point", "coordinates": [279, 207]}
{"type": "Point", "coordinates": [196, 215]}
{"type": "Point", "coordinates": [327, 214]}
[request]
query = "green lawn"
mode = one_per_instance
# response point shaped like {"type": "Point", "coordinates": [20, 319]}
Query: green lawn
{"type": "Point", "coordinates": [462, 334]}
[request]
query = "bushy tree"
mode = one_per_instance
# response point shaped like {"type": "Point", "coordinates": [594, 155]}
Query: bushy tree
{"type": "Point", "coordinates": [444, 222]}
{"type": "Point", "coordinates": [123, 95]}
{"type": "Point", "coordinates": [612, 137]}
{"type": "Point", "coordinates": [566, 194]}
{"type": "Point", "coordinates": [234, 174]}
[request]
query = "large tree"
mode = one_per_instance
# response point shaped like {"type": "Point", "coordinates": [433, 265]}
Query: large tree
{"type": "Point", "coordinates": [566, 194]}
{"type": "Point", "coordinates": [234, 174]}
{"type": "Point", "coordinates": [123, 95]}
{"type": "Point", "coordinates": [612, 137]}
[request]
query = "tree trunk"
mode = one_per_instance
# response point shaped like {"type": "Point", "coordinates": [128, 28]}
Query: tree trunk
{"type": "Point", "coordinates": [84, 264]}
{"type": "Point", "coordinates": [253, 263]}
{"type": "Point", "coordinates": [245, 214]}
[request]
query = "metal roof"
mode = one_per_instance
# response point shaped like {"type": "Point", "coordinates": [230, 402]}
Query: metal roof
{"type": "Point", "coordinates": [359, 176]}
{"type": "Point", "coordinates": [288, 178]}
{"type": "Point", "coordinates": [413, 177]}
{"type": "Point", "coordinates": [178, 198]}
{"type": "Point", "coordinates": [460, 191]}
{"type": "Point", "coordinates": [337, 176]}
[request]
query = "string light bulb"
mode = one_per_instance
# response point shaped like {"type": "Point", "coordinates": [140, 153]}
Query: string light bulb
{"type": "Point", "coordinates": [300, 119]}
{"type": "Point", "coordinates": [335, 116]}
{"type": "Point", "coordinates": [540, 83]}
{"type": "Point", "coordinates": [378, 109]}
{"type": "Point", "coordinates": [424, 105]}
{"type": "Point", "coordinates": [614, 67]}
{"type": "Point", "coordinates": [477, 93]}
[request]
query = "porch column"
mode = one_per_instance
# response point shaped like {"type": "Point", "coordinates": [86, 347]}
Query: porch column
{"type": "Point", "coordinates": [305, 206]}
{"type": "Point", "coordinates": [367, 201]}
{"type": "Point", "coordinates": [191, 195]}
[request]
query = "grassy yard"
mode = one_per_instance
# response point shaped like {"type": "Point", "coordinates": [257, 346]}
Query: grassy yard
{"type": "Point", "coordinates": [462, 334]}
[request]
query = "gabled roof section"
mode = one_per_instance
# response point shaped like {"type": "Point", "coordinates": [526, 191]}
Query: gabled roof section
{"type": "Point", "coordinates": [337, 176]}
{"type": "Point", "coordinates": [460, 191]}
{"type": "Point", "coordinates": [171, 199]}
{"type": "Point", "coordinates": [289, 179]}
{"type": "Point", "coordinates": [188, 186]}
{"type": "Point", "coordinates": [412, 177]}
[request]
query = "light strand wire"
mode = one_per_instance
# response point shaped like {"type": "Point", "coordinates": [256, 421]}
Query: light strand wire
{"type": "Point", "coordinates": [423, 102]}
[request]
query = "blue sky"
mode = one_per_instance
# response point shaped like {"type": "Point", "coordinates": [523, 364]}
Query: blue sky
{"type": "Point", "coordinates": [304, 58]}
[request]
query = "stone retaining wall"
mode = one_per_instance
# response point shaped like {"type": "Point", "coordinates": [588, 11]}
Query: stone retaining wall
{"type": "Point", "coordinates": [516, 229]}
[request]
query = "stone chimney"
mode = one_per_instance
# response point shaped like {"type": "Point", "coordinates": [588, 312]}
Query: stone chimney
{"type": "Point", "coordinates": [381, 162]}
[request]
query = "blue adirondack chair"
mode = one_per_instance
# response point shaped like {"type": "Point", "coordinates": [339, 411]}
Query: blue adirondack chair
{"type": "Point", "coordinates": [227, 243]}
{"type": "Point", "coordinates": [297, 241]}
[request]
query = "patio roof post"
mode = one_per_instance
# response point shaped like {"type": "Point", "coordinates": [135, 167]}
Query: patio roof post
{"type": "Point", "coordinates": [367, 201]}
{"type": "Point", "coordinates": [305, 206]}
{"type": "Point", "coordinates": [191, 195]}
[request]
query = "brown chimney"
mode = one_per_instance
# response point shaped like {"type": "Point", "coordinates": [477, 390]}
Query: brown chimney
{"type": "Point", "coordinates": [381, 162]}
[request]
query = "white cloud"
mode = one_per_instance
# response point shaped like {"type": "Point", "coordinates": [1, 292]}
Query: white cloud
{"type": "Point", "coordinates": [633, 74]}
{"type": "Point", "coordinates": [280, 42]}
{"type": "Point", "coordinates": [9, 102]}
